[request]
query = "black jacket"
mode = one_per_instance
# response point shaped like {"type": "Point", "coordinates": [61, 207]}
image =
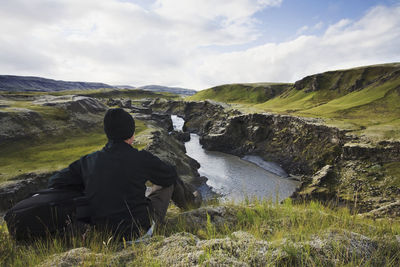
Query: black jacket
{"type": "Point", "coordinates": [114, 181]}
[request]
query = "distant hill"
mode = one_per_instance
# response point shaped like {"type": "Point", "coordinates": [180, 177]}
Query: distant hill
{"type": "Point", "coordinates": [15, 83]}
{"type": "Point", "coordinates": [173, 90]}
{"type": "Point", "coordinates": [27, 83]}
{"type": "Point", "coordinates": [124, 87]}
{"type": "Point", "coordinates": [364, 99]}
{"type": "Point", "coordinates": [242, 92]}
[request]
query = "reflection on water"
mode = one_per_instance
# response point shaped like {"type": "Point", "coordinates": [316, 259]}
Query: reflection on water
{"type": "Point", "coordinates": [236, 178]}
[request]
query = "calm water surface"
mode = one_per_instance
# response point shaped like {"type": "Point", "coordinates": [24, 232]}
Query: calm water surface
{"type": "Point", "coordinates": [236, 178]}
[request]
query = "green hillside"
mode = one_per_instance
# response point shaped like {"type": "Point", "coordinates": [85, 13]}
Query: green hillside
{"type": "Point", "coordinates": [365, 100]}
{"type": "Point", "coordinates": [242, 93]}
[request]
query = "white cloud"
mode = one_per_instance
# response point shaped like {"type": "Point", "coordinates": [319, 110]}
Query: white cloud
{"type": "Point", "coordinates": [318, 26]}
{"type": "Point", "coordinates": [302, 30]}
{"type": "Point", "coordinates": [119, 42]}
{"type": "Point", "coordinates": [375, 38]}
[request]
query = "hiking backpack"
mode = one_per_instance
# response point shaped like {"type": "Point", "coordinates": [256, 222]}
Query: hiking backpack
{"type": "Point", "coordinates": [44, 213]}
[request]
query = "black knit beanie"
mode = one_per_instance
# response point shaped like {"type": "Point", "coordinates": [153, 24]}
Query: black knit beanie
{"type": "Point", "coordinates": [118, 124]}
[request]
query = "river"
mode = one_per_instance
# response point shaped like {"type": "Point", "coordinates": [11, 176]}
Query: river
{"type": "Point", "coordinates": [235, 178]}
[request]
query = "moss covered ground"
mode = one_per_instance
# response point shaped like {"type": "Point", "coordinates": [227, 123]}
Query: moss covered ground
{"type": "Point", "coordinates": [285, 227]}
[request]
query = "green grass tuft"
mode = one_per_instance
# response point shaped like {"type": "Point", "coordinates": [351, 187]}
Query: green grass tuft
{"type": "Point", "coordinates": [282, 225]}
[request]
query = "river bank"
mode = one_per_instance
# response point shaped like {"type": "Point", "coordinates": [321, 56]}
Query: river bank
{"type": "Point", "coordinates": [234, 178]}
{"type": "Point", "coordinates": [333, 166]}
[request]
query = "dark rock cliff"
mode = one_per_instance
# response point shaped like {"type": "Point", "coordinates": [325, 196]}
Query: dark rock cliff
{"type": "Point", "coordinates": [333, 166]}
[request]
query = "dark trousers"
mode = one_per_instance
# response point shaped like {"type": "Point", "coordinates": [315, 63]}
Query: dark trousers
{"type": "Point", "coordinates": [160, 198]}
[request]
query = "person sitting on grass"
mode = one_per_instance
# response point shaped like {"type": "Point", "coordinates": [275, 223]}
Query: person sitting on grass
{"type": "Point", "coordinates": [113, 180]}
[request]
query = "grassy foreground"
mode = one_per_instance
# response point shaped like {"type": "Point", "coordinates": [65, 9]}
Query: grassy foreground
{"type": "Point", "coordinates": [282, 226]}
{"type": "Point", "coordinates": [53, 153]}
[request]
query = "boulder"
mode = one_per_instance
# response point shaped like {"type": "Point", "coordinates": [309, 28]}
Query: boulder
{"type": "Point", "coordinates": [113, 102]}
{"type": "Point", "coordinates": [126, 103]}
{"type": "Point", "coordinates": [18, 123]}
{"type": "Point", "coordinates": [161, 120]}
{"type": "Point", "coordinates": [181, 136]}
{"type": "Point", "coordinates": [321, 176]}
{"type": "Point", "coordinates": [72, 103]}
{"type": "Point", "coordinates": [170, 150]}
{"type": "Point", "coordinates": [164, 120]}
{"type": "Point", "coordinates": [143, 110]}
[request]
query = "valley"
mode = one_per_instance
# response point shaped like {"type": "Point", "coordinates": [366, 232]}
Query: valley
{"type": "Point", "coordinates": [336, 134]}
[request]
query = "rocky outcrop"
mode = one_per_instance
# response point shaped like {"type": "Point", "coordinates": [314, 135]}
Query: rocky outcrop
{"type": "Point", "coordinates": [72, 103]}
{"type": "Point", "coordinates": [299, 146]}
{"type": "Point", "coordinates": [18, 123]}
{"type": "Point", "coordinates": [127, 103]}
{"type": "Point", "coordinates": [303, 147]}
{"type": "Point", "coordinates": [172, 151]}
{"type": "Point", "coordinates": [198, 115]}
{"type": "Point", "coordinates": [317, 186]}
{"type": "Point", "coordinates": [50, 115]}
{"type": "Point", "coordinates": [161, 120]}
{"type": "Point", "coordinates": [382, 152]}
{"type": "Point", "coordinates": [181, 136]}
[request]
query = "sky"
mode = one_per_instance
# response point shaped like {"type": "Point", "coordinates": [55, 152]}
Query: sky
{"type": "Point", "coordinates": [194, 44]}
